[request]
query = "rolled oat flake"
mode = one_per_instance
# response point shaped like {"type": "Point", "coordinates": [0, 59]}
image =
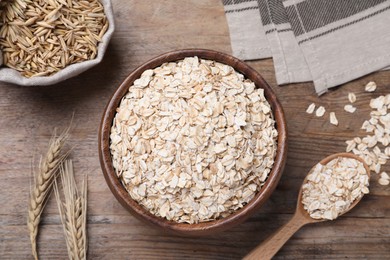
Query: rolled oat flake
{"type": "Point", "coordinates": [332, 188]}
{"type": "Point", "coordinates": [193, 140]}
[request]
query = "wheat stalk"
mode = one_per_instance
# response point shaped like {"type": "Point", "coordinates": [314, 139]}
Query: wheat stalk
{"type": "Point", "coordinates": [73, 212]}
{"type": "Point", "coordinates": [43, 181]}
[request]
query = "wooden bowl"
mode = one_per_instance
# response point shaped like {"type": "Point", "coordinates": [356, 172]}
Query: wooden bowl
{"type": "Point", "coordinates": [204, 228]}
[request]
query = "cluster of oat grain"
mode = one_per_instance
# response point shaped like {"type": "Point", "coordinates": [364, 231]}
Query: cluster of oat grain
{"type": "Point", "coordinates": [193, 140]}
{"type": "Point", "coordinates": [330, 189]}
{"type": "Point", "coordinates": [378, 129]}
{"type": "Point", "coordinates": [39, 38]}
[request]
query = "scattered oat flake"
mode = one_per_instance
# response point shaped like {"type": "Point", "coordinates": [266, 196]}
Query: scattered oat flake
{"type": "Point", "coordinates": [310, 108]}
{"type": "Point", "coordinates": [333, 118]}
{"type": "Point", "coordinates": [370, 87]}
{"type": "Point", "coordinates": [383, 182]}
{"type": "Point", "coordinates": [351, 97]}
{"type": "Point", "coordinates": [351, 144]}
{"type": "Point", "coordinates": [320, 111]}
{"type": "Point", "coordinates": [378, 125]}
{"type": "Point", "coordinates": [387, 151]}
{"type": "Point", "coordinates": [350, 108]}
{"type": "Point", "coordinates": [377, 103]}
{"type": "Point", "coordinates": [384, 175]}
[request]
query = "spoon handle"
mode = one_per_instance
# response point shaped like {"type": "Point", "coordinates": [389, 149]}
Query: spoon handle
{"type": "Point", "coordinates": [271, 245]}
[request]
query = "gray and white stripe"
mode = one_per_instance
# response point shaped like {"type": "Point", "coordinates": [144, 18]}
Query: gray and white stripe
{"type": "Point", "coordinates": [327, 41]}
{"type": "Point", "coordinates": [307, 16]}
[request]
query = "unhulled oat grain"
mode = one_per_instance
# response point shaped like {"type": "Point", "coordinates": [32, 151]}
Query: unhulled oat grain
{"type": "Point", "coordinates": [39, 38]}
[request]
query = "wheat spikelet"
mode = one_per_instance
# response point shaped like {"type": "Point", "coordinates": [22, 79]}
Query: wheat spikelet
{"type": "Point", "coordinates": [44, 178]}
{"type": "Point", "coordinates": [73, 212]}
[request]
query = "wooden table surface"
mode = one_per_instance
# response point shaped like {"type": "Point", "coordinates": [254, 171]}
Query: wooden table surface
{"type": "Point", "coordinates": [145, 29]}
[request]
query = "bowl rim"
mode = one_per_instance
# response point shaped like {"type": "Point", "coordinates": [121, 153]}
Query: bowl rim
{"type": "Point", "coordinates": [202, 228]}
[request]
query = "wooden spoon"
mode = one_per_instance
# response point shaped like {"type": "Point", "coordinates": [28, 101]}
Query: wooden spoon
{"type": "Point", "coordinates": [271, 246]}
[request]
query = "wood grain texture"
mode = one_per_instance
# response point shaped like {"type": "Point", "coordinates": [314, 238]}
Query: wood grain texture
{"type": "Point", "coordinates": [145, 29]}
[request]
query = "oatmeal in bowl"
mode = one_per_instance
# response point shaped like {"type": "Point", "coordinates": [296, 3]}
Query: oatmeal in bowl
{"type": "Point", "coordinates": [193, 142]}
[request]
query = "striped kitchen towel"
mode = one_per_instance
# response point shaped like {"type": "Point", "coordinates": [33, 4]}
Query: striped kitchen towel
{"type": "Point", "coordinates": [329, 42]}
{"type": "Point", "coordinates": [247, 33]}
